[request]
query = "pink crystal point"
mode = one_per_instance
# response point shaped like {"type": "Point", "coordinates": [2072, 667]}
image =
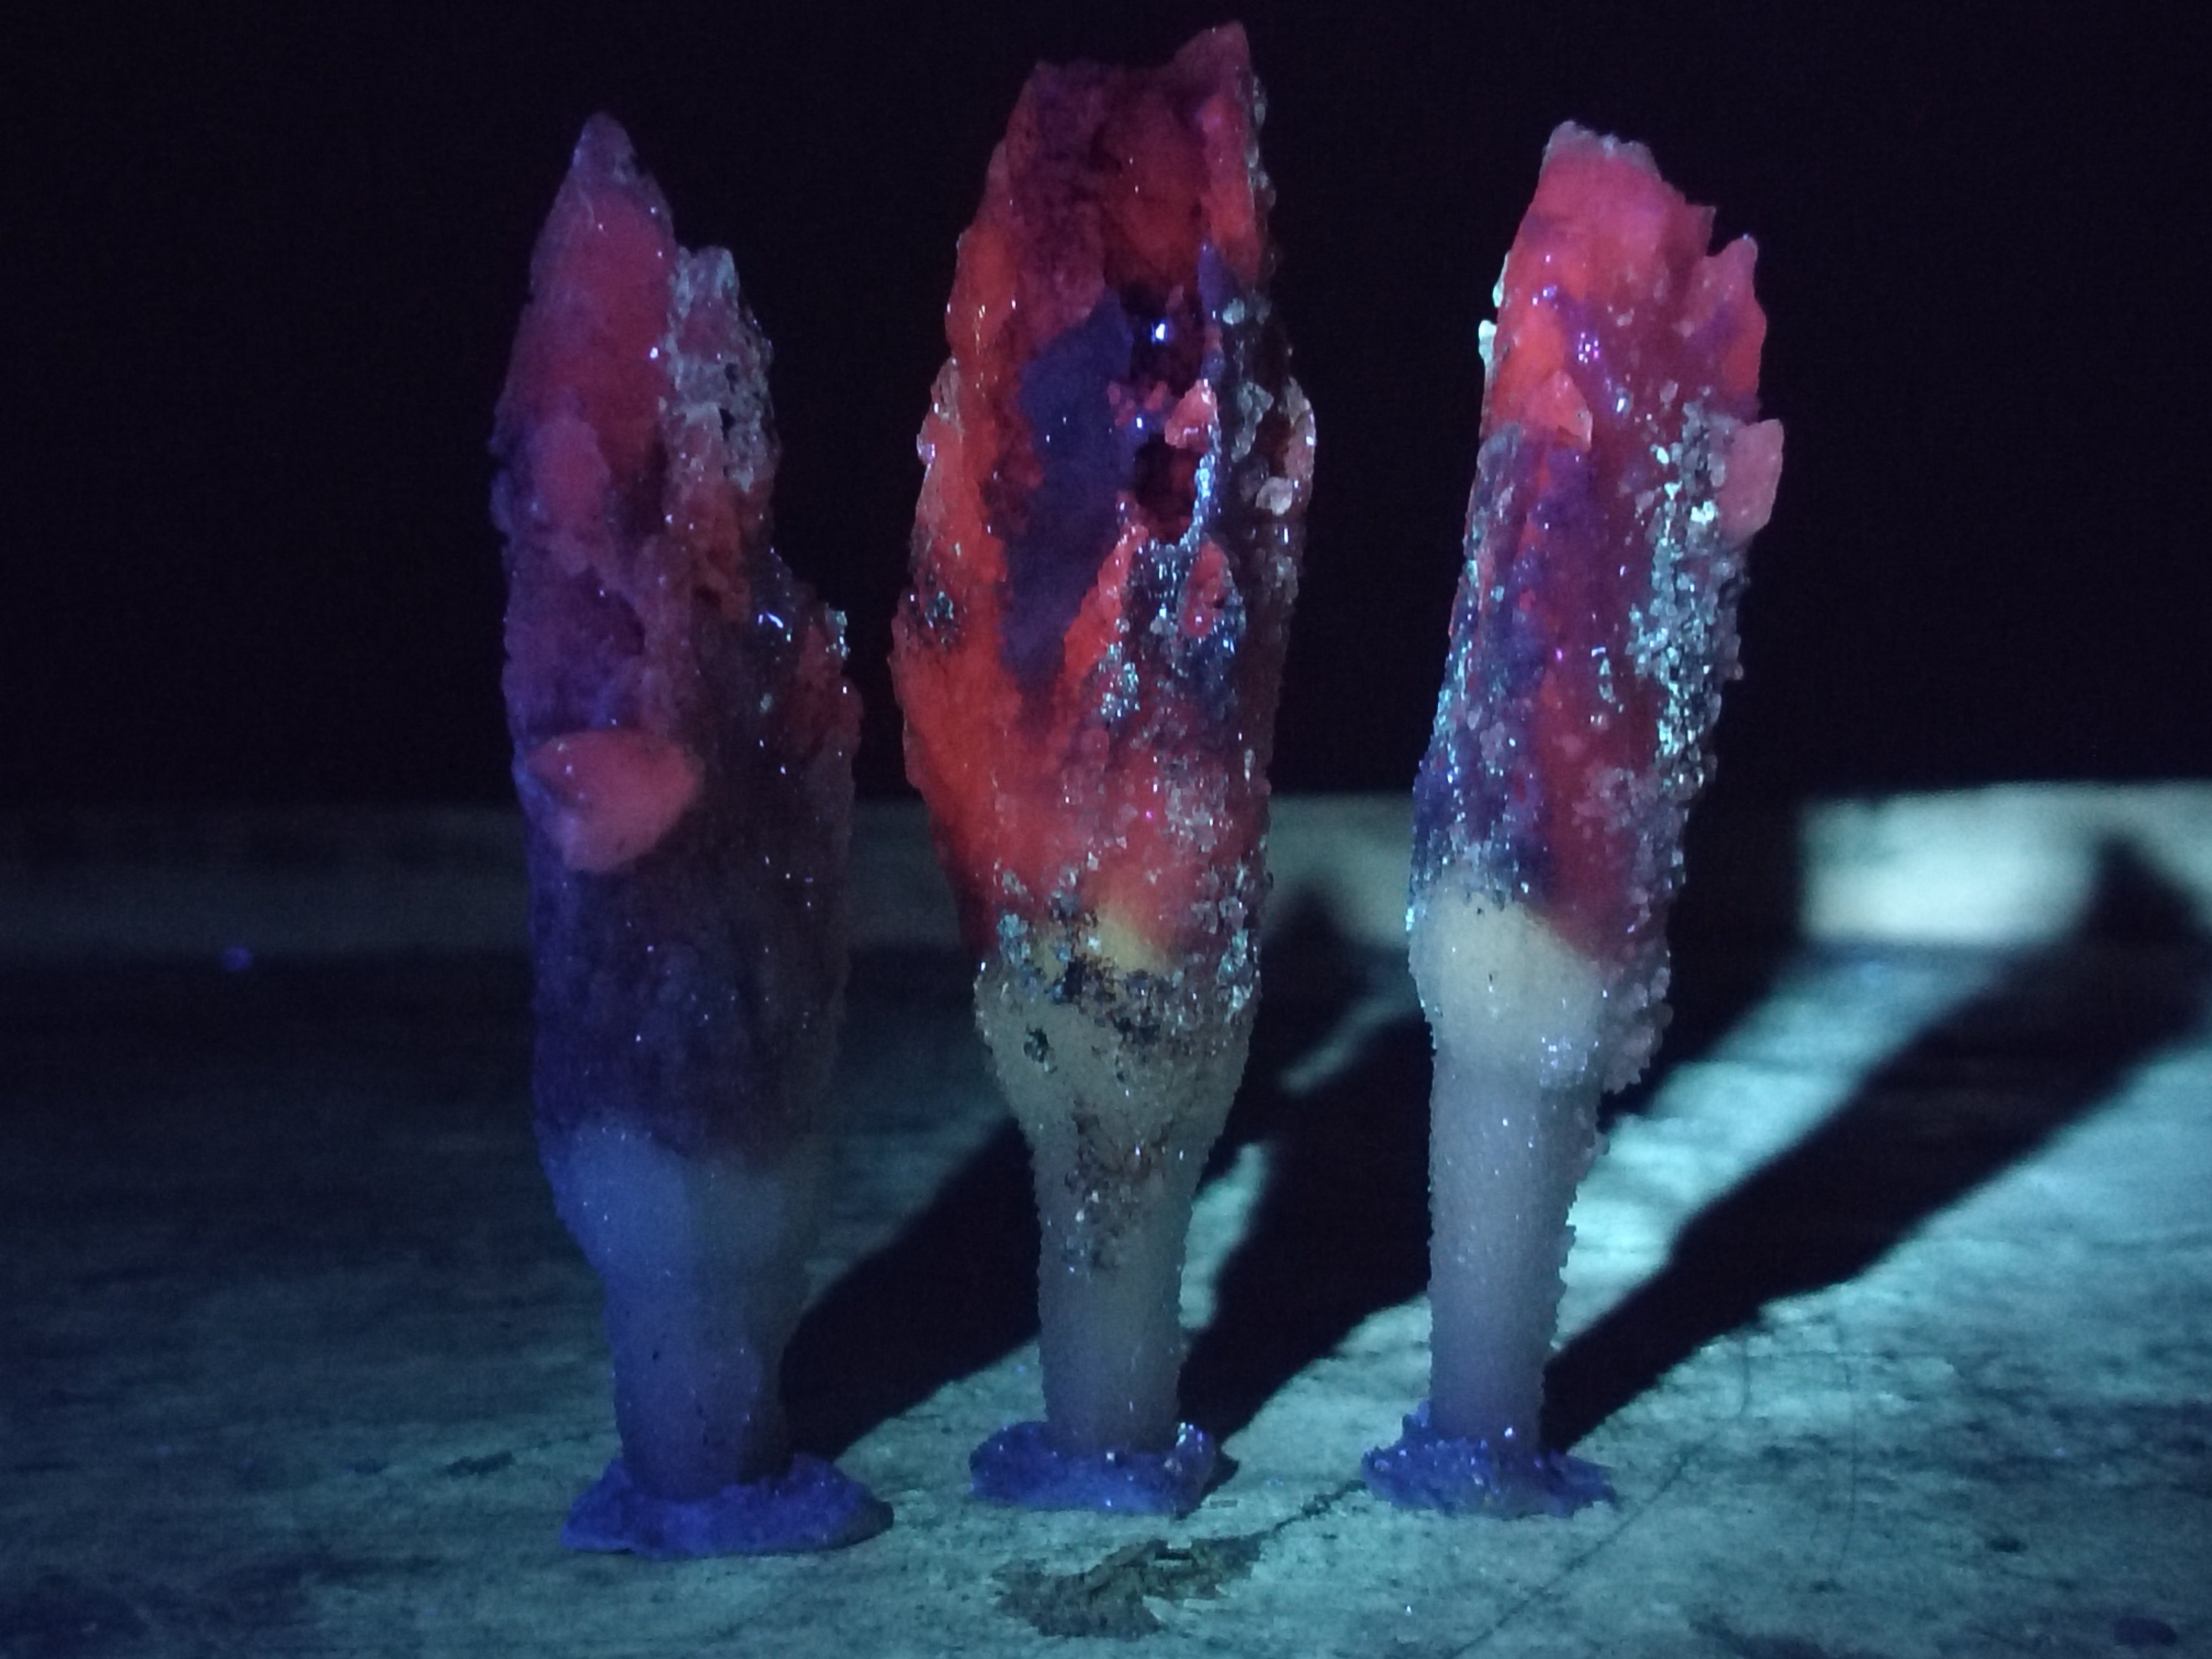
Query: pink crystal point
{"type": "Point", "coordinates": [1623, 472]}
{"type": "Point", "coordinates": [684, 734]}
{"type": "Point", "coordinates": [1104, 559]}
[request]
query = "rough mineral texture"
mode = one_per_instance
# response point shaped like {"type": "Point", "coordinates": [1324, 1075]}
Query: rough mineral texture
{"type": "Point", "coordinates": [683, 726]}
{"type": "Point", "coordinates": [684, 735]}
{"type": "Point", "coordinates": [1108, 535]}
{"type": "Point", "coordinates": [1623, 471]}
{"type": "Point", "coordinates": [1104, 559]}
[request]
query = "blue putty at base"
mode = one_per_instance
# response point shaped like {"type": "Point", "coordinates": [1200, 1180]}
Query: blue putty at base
{"type": "Point", "coordinates": [1020, 1465]}
{"type": "Point", "coordinates": [810, 1507]}
{"type": "Point", "coordinates": [1426, 1470]}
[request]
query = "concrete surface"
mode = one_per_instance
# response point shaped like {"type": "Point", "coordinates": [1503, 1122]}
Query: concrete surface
{"type": "Point", "coordinates": [1891, 1310]}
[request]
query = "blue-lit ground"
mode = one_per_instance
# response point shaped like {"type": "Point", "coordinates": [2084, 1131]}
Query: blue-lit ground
{"type": "Point", "coordinates": [1890, 1314]}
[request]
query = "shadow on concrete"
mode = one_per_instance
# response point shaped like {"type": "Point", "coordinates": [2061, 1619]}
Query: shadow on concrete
{"type": "Point", "coordinates": [951, 1295]}
{"type": "Point", "coordinates": [1978, 1091]}
{"type": "Point", "coordinates": [1342, 1229]}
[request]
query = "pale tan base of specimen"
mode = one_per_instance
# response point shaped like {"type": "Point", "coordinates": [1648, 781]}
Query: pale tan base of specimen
{"type": "Point", "coordinates": [1120, 1099]}
{"type": "Point", "coordinates": [1519, 1019]}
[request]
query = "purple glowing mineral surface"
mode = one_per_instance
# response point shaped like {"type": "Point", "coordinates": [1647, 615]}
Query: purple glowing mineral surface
{"type": "Point", "coordinates": [683, 738]}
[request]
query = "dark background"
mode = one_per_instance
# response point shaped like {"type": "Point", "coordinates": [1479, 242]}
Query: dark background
{"type": "Point", "coordinates": [265, 265]}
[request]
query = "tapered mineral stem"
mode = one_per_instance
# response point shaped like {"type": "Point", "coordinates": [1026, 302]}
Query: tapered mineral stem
{"type": "Point", "coordinates": [1504, 1160]}
{"type": "Point", "coordinates": [1522, 1032]}
{"type": "Point", "coordinates": [1119, 1124]}
{"type": "Point", "coordinates": [1111, 1334]}
{"type": "Point", "coordinates": [1119, 1102]}
{"type": "Point", "coordinates": [704, 1263]}
{"type": "Point", "coordinates": [1513, 1127]}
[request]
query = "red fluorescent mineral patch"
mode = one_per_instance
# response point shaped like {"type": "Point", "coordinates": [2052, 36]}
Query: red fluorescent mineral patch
{"type": "Point", "coordinates": [1624, 471]}
{"type": "Point", "coordinates": [615, 795]}
{"type": "Point", "coordinates": [1106, 547]}
{"type": "Point", "coordinates": [584, 380]}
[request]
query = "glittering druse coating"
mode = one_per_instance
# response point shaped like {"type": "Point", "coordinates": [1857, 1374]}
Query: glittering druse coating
{"type": "Point", "coordinates": [1108, 542]}
{"type": "Point", "coordinates": [1104, 559]}
{"type": "Point", "coordinates": [683, 726]}
{"type": "Point", "coordinates": [1623, 472]}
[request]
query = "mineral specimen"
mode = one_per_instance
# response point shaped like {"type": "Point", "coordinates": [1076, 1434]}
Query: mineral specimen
{"type": "Point", "coordinates": [1104, 561]}
{"type": "Point", "coordinates": [1622, 474]}
{"type": "Point", "coordinates": [682, 736]}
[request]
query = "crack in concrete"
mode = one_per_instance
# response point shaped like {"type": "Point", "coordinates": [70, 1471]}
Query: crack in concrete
{"type": "Point", "coordinates": [1576, 1563]}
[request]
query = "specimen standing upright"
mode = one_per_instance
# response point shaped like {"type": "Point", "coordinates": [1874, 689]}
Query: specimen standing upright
{"type": "Point", "coordinates": [683, 736]}
{"type": "Point", "coordinates": [1104, 561]}
{"type": "Point", "coordinates": [1623, 472]}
